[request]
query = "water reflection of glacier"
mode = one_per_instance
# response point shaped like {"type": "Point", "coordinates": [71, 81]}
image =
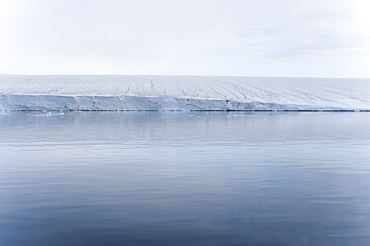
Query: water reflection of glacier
{"type": "Point", "coordinates": [172, 178]}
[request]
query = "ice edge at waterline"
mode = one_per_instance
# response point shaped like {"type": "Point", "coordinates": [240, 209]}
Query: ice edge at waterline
{"type": "Point", "coordinates": [133, 103]}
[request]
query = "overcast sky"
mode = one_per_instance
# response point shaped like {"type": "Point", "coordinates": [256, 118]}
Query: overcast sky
{"type": "Point", "coordinates": [300, 38]}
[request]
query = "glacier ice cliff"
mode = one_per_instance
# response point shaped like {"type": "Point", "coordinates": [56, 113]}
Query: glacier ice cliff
{"type": "Point", "coordinates": [113, 92]}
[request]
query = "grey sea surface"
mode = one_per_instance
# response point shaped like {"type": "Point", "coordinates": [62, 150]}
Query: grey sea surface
{"type": "Point", "coordinates": [184, 178]}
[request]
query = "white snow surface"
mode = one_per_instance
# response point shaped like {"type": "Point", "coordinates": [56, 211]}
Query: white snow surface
{"type": "Point", "coordinates": [139, 92]}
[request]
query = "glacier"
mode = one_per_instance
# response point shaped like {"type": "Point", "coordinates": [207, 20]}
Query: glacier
{"type": "Point", "coordinates": [139, 92]}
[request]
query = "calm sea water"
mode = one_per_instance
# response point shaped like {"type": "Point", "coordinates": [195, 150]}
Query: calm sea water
{"type": "Point", "coordinates": [184, 178]}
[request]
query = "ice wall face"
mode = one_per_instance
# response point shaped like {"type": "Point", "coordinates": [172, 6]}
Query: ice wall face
{"type": "Point", "coordinates": [23, 92]}
{"type": "Point", "coordinates": [126, 103]}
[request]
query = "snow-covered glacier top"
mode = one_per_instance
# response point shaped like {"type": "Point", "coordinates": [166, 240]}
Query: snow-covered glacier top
{"type": "Point", "coordinates": [123, 92]}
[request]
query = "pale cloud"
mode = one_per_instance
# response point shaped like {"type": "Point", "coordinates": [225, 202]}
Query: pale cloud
{"type": "Point", "coordinates": [210, 37]}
